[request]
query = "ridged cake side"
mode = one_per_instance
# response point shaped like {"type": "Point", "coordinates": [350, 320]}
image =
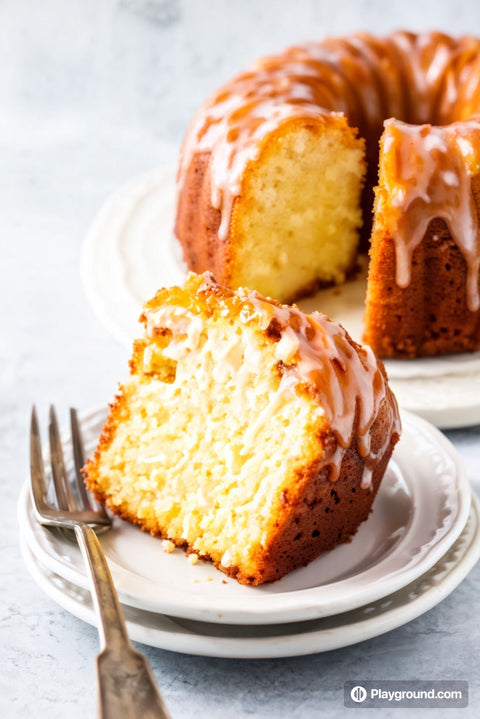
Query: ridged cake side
{"type": "Point", "coordinates": [423, 282]}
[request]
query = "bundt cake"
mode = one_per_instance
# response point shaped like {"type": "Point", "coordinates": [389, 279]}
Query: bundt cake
{"type": "Point", "coordinates": [272, 169]}
{"type": "Point", "coordinates": [248, 433]}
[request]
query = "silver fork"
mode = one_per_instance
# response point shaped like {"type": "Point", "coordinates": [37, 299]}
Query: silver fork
{"type": "Point", "coordinates": [126, 687]}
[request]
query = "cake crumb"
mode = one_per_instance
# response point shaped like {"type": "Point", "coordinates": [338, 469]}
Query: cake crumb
{"type": "Point", "coordinates": [192, 558]}
{"type": "Point", "coordinates": [209, 579]}
{"type": "Point", "coordinates": [168, 546]}
{"type": "Point", "coordinates": [224, 581]}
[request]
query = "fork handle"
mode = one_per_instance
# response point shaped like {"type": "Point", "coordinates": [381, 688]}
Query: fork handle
{"type": "Point", "coordinates": [126, 686]}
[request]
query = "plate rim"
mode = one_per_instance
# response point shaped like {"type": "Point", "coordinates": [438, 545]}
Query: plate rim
{"type": "Point", "coordinates": [305, 604]}
{"type": "Point", "coordinates": [300, 644]}
{"type": "Point", "coordinates": [98, 228]}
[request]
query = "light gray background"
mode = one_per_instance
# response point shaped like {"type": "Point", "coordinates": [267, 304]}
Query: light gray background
{"type": "Point", "coordinates": [92, 94]}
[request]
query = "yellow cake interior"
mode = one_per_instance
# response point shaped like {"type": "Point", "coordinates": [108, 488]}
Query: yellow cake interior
{"type": "Point", "coordinates": [317, 210]}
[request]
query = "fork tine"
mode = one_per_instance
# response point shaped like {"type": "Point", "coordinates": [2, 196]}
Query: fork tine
{"type": "Point", "coordinates": [63, 489]}
{"type": "Point", "coordinates": [37, 470]}
{"type": "Point", "coordinates": [79, 458]}
{"type": "Point", "coordinates": [60, 516]}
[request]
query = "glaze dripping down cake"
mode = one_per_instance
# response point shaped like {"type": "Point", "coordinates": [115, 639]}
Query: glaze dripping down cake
{"type": "Point", "coordinates": [249, 433]}
{"type": "Point", "coordinates": [423, 285]}
{"type": "Point", "coordinates": [278, 166]}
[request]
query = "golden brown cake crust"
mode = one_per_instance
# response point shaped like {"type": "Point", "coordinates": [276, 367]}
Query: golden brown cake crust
{"type": "Point", "coordinates": [199, 230]}
{"type": "Point", "coordinates": [431, 315]}
{"type": "Point", "coordinates": [428, 318]}
{"type": "Point", "coordinates": [323, 514]}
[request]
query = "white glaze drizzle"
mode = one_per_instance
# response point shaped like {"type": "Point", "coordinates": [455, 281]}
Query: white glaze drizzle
{"type": "Point", "coordinates": [432, 177]}
{"type": "Point", "coordinates": [236, 127]}
{"type": "Point", "coordinates": [425, 63]}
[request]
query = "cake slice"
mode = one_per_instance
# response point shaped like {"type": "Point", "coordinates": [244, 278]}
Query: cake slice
{"type": "Point", "coordinates": [248, 433]}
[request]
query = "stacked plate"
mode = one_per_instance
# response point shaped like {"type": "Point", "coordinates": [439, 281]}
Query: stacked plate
{"type": "Point", "coordinates": [420, 541]}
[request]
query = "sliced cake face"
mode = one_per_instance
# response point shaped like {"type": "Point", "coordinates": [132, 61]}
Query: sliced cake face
{"type": "Point", "coordinates": [305, 187]}
{"type": "Point", "coordinates": [243, 429]}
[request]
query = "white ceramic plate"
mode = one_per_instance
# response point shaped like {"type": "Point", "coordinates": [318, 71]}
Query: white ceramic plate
{"type": "Point", "coordinates": [281, 640]}
{"type": "Point", "coordinates": [130, 252]}
{"type": "Point", "coordinates": [420, 510]}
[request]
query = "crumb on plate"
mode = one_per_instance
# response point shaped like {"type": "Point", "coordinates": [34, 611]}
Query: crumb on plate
{"type": "Point", "coordinates": [168, 546]}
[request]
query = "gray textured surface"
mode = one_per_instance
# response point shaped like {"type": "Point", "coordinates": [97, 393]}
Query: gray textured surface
{"type": "Point", "coordinates": [94, 93]}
